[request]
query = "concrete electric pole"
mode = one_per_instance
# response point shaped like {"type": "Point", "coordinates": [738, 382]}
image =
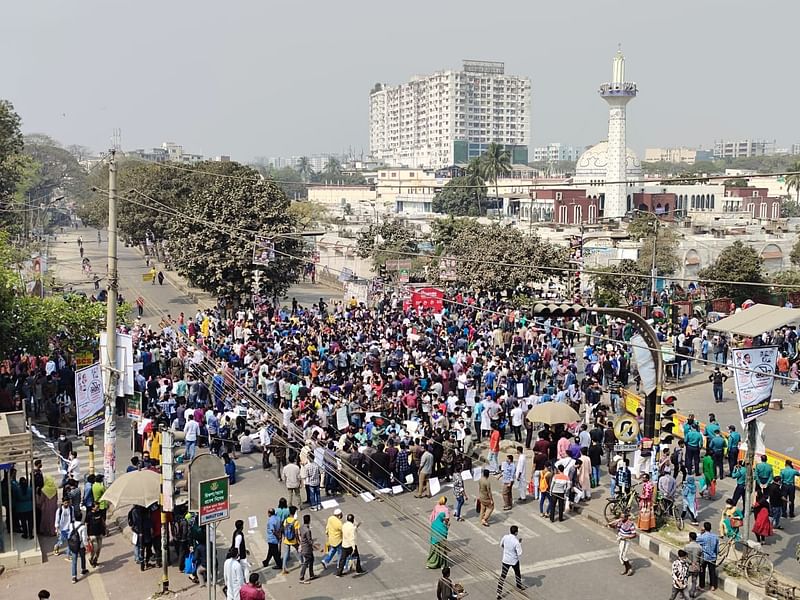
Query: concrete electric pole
{"type": "Point", "coordinates": [110, 433]}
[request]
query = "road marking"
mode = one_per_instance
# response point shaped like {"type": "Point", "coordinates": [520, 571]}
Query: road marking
{"type": "Point", "coordinates": [482, 531]}
{"type": "Point", "coordinates": [552, 526]}
{"type": "Point", "coordinates": [525, 532]}
{"type": "Point", "coordinates": [554, 563]}
{"type": "Point", "coordinates": [96, 586]}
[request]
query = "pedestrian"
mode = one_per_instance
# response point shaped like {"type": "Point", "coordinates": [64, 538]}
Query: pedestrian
{"type": "Point", "coordinates": [307, 550]}
{"type": "Point", "coordinates": [291, 529]}
{"type": "Point", "coordinates": [333, 537]}
{"type": "Point", "coordinates": [312, 475]}
{"type": "Point", "coordinates": [545, 479]}
{"type": "Point", "coordinates": [774, 493]}
{"type": "Point", "coordinates": [763, 473]}
{"type": "Point", "coordinates": [709, 542]}
{"type": "Point", "coordinates": [65, 515]}
{"type": "Point", "coordinates": [445, 588]}
{"type": "Point", "coordinates": [734, 438]}
{"type": "Point", "coordinates": [680, 576]}
{"type": "Point", "coordinates": [274, 533]}
{"type": "Point", "coordinates": [349, 547]}
{"type": "Point", "coordinates": [160, 278]}
{"type": "Point", "coordinates": [191, 430]}
{"type": "Point", "coordinates": [77, 540]}
{"type": "Point", "coordinates": [507, 475]}
{"type": "Point", "coordinates": [485, 498]}
{"type": "Point", "coordinates": [23, 506]}
{"type": "Point", "coordinates": [694, 556]}
{"type": "Point", "coordinates": [233, 575]}
{"type": "Point", "coordinates": [647, 517]}
{"type": "Point", "coordinates": [511, 547]}
{"type": "Point", "coordinates": [559, 488]}
{"type": "Point", "coordinates": [437, 555]}
{"type": "Point", "coordinates": [460, 493]}
{"type": "Point", "coordinates": [626, 531]}
{"type": "Point", "coordinates": [494, 449]}
{"type": "Point", "coordinates": [717, 378]}
{"type": "Point", "coordinates": [521, 474]}
{"type": "Point", "coordinates": [424, 472]}
{"type": "Point", "coordinates": [238, 542]}
{"type": "Point", "coordinates": [291, 478]}
{"type": "Point", "coordinates": [709, 481]}
{"type": "Point", "coordinates": [96, 530]}
{"type": "Point", "coordinates": [762, 526]}
{"type": "Point", "coordinates": [252, 590]}
{"type": "Point", "coordinates": [689, 493]}
{"type": "Point", "coordinates": [788, 476]}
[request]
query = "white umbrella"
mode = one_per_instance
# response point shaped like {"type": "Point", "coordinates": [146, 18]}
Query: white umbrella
{"type": "Point", "coordinates": [552, 413]}
{"type": "Point", "coordinates": [137, 487]}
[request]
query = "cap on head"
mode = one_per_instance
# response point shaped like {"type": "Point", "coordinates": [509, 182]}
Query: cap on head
{"type": "Point", "coordinates": [338, 512]}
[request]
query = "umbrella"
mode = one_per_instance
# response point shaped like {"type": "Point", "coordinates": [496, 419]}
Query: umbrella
{"type": "Point", "coordinates": [137, 487]}
{"type": "Point", "coordinates": [747, 303]}
{"type": "Point", "coordinates": [552, 413]}
{"type": "Point", "coordinates": [658, 313]}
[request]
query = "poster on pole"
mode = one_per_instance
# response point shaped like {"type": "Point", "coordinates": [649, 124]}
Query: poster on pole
{"type": "Point", "coordinates": [264, 251]}
{"type": "Point", "coordinates": [89, 398]}
{"type": "Point", "coordinates": [753, 373]}
{"type": "Point", "coordinates": [134, 407]}
{"type": "Point", "coordinates": [124, 362]}
{"type": "Point", "coordinates": [645, 363]}
{"type": "Point", "coordinates": [447, 268]}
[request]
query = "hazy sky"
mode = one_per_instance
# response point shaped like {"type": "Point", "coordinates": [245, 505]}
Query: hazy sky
{"type": "Point", "coordinates": [267, 78]}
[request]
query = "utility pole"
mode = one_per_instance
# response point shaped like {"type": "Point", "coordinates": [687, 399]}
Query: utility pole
{"type": "Point", "coordinates": [167, 442]}
{"type": "Point", "coordinates": [110, 433]}
{"type": "Point", "coordinates": [750, 457]}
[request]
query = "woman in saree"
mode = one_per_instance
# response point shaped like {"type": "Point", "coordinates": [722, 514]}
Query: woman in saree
{"type": "Point", "coordinates": [437, 557]}
{"type": "Point", "coordinates": [647, 516]}
{"type": "Point", "coordinates": [690, 498]}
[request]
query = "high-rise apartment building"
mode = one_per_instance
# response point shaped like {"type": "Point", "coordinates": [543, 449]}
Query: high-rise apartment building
{"type": "Point", "coordinates": [743, 148]}
{"type": "Point", "coordinates": [556, 151]}
{"type": "Point", "coordinates": [450, 117]}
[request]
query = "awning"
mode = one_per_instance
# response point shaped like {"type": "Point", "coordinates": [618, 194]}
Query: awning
{"type": "Point", "coordinates": [757, 319]}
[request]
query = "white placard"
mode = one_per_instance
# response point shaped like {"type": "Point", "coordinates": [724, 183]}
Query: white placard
{"type": "Point", "coordinates": [329, 504]}
{"type": "Point", "coordinates": [754, 379]}
{"type": "Point", "coordinates": [89, 398]}
{"type": "Point", "coordinates": [411, 426]}
{"type": "Point", "coordinates": [398, 489]}
{"type": "Point", "coordinates": [435, 485]}
{"type": "Point", "coordinates": [367, 497]}
{"type": "Point", "coordinates": [470, 397]}
{"type": "Point", "coordinates": [384, 491]}
{"type": "Point", "coordinates": [465, 475]}
{"type": "Point", "coordinates": [476, 473]}
{"type": "Point", "coordinates": [342, 422]}
{"type": "Point", "coordinates": [252, 522]}
{"type": "Point", "coordinates": [409, 479]}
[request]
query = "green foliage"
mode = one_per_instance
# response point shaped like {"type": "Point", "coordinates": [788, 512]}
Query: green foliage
{"type": "Point", "coordinates": [495, 163]}
{"type": "Point", "coordinates": [782, 278]}
{"type": "Point", "coordinates": [641, 225]}
{"type": "Point", "coordinates": [57, 167]}
{"type": "Point", "coordinates": [793, 183]}
{"type": "Point", "coordinates": [494, 245]}
{"type": "Point", "coordinates": [11, 145]}
{"type": "Point", "coordinates": [794, 256]}
{"type": "Point", "coordinates": [307, 213]}
{"type": "Point", "coordinates": [618, 284]}
{"type": "Point", "coordinates": [386, 241]}
{"type": "Point", "coordinates": [218, 258]}
{"type": "Point", "coordinates": [667, 260]}
{"type": "Point", "coordinates": [458, 199]}
{"type": "Point", "coordinates": [736, 263]}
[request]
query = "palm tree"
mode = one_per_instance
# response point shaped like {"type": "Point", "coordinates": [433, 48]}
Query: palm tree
{"type": "Point", "coordinates": [304, 168]}
{"type": "Point", "coordinates": [474, 179]}
{"type": "Point", "coordinates": [793, 181]}
{"type": "Point", "coordinates": [495, 163]}
{"type": "Point", "coordinates": [333, 167]}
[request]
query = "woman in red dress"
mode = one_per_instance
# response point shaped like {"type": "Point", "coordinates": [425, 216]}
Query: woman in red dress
{"type": "Point", "coordinates": [762, 526]}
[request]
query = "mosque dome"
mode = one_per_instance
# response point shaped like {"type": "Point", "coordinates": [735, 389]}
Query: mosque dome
{"type": "Point", "coordinates": [592, 164]}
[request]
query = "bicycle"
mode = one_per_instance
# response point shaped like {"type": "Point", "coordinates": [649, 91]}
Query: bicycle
{"type": "Point", "coordinates": [621, 503]}
{"type": "Point", "coordinates": [751, 560]}
{"type": "Point", "coordinates": [666, 509]}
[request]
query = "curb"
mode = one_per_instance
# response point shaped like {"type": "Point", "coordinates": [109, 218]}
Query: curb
{"type": "Point", "coordinates": [668, 552]}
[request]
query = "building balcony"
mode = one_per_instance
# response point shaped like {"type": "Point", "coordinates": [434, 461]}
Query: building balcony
{"type": "Point", "coordinates": [618, 89]}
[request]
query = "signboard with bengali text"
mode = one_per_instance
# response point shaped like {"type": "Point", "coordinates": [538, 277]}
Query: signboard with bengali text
{"type": "Point", "coordinates": [214, 500]}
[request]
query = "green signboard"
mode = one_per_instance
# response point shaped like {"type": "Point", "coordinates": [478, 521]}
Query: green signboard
{"type": "Point", "coordinates": [214, 501]}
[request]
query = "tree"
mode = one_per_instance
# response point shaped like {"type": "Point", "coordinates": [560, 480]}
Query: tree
{"type": "Point", "coordinates": [618, 284]}
{"type": "Point", "coordinates": [11, 145]}
{"type": "Point", "coordinates": [58, 169]}
{"type": "Point", "coordinates": [491, 250]}
{"type": "Point", "coordinates": [458, 198]}
{"type": "Point", "coordinates": [333, 168]}
{"type": "Point", "coordinates": [794, 256]}
{"type": "Point", "coordinates": [304, 168]}
{"type": "Point", "coordinates": [793, 182]}
{"type": "Point", "coordinates": [667, 260]}
{"type": "Point", "coordinates": [289, 180]}
{"type": "Point", "coordinates": [495, 163]}
{"type": "Point", "coordinates": [386, 241]}
{"type": "Point", "coordinates": [738, 263]}
{"type": "Point", "coordinates": [307, 213]}
{"type": "Point", "coordinates": [641, 225]}
{"type": "Point", "coordinates": [213, 244]}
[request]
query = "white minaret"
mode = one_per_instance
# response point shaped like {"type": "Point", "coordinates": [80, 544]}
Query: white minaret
{"type": "Point", "coordinates": [617, 93]}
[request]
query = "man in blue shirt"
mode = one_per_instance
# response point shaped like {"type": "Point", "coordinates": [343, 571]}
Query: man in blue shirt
{"type": "Point", "coordinates": [274, 532]}
{"type": "Point", "coordinates": [734, 438]}
{"type": "Point", "coordinates": [709, 542]}
{"type": "Point", "coordinates": [694, 441]}
{"type": "Point", "coordinates": [508, 474]}
{"type": "Point", "coordinates": [740, 475]}
{"type": "Point", "coordinates": [788, 474]}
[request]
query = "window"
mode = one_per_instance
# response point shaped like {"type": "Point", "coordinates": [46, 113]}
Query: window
{"type": "Point", "coordinates": [592, 213]}
{"type": "Point", "coordinates": [559, 195]}
{"type": "Point", "coordinates": [762, 210]}
{"type": "Point", "coordinates": [562, 214]}
{"type": "Point", "coordinates": [751, 208]}
{"type": "Point", "coordinates": [776, 210]}
{"type": "Point", "coordinates": [577, 216]}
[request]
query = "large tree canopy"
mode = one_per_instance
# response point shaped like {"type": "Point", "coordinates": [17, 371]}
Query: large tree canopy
{"type": "Point", "coordinates": [213, 244]}
{"type": "Point", "coordinates": [10, 150]}
{"type": "Point", "coordinates": [459, 199]}
{"type": "Point", "coordinates": [736, 263]}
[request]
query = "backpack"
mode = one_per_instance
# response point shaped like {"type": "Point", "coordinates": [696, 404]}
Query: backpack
{"type": "Point", "coordinates": [674, 458]}
{"type": "Point", "coordinates": [289, 532]}
{"type": "Point", "coordinates": [74, 540]}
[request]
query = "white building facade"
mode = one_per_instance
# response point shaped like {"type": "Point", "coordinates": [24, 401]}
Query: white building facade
{"type": "Point", "coordinates": [450, 117]}
{"type": "Point", "coordinates": [554, 152]}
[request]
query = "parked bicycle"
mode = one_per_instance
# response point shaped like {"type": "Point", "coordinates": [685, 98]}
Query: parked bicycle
{"type": "Point", "coordinates": [622, 503]}
{"type": "Point", "coordinates": [667, 509]}
{"type": "Point", "coordinates": [748, 558]}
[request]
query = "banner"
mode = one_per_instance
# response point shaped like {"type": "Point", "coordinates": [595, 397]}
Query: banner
{"type": "Point", "coordinates": [264, 251]}
{"type": "Point", "coordinates": [645, 363]}
{"type": "Point", "coordinates": [753, 375]}
{"type": "Point", "coordinates": [342, 421]}
{"type": "Point", "coordinates": [124, 363]}
{"type": "Point", "coordinates": [135, 406]}
{"type": "Point", "coordinates": [89, 398]}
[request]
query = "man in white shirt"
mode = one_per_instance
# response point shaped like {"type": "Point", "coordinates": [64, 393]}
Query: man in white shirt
{"type": "Point", "coordinates": [512, 552]}
{"type": "Point", "coordinates": [517, 416]}
{"type": "Point", "coordinates": [521, 475]}
{"type": "Point", "coordinates": [191, 431]}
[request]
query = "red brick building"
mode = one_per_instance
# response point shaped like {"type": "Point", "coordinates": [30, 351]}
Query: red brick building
{"type": "Point", "coordinates": [571, 207]}
{"type": "Point", "coordinates": [754, 200]}
{"type": "Point", "coordinates": [662, 204]}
